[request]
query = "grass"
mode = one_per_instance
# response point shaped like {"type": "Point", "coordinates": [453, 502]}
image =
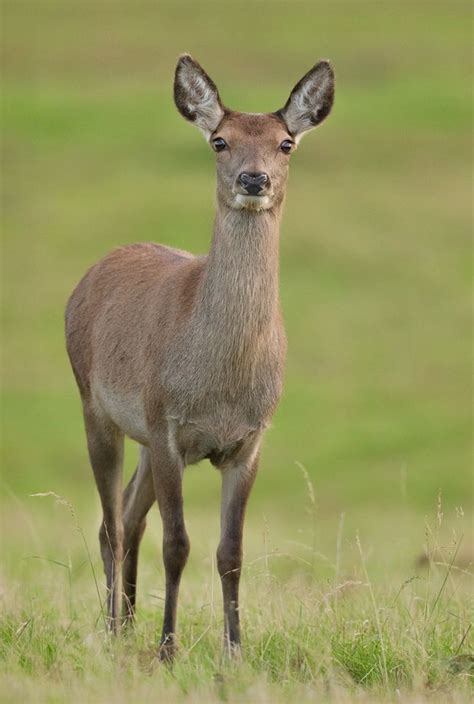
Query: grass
{"type": "Point", "coordinates": [339, 602]}
{"type": "Point", "coordinates": [335, 638]}
{"type": "Point", "coordinates": [343, 637]}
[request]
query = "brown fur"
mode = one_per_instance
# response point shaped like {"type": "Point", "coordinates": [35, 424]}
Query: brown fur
{"type": "Point", "coordinates": [185, 355]}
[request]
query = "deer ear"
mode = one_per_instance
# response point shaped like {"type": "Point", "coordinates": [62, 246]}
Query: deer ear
{"type": "Point", "coordinates": [196, 95]}
{"type": "Point", "coordinates": [310, 100]}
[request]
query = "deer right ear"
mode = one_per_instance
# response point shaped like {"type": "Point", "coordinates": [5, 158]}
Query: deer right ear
{"type": "Point", "coordinates": [310, 100]}
{"type": "Point", "coordinates": [196, 95]}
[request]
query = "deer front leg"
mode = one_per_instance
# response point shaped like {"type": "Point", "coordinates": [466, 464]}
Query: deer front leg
{"type": "Point", "coordinates": [237, 482]}
{"type": "Point", "coordinates": [167, 479]}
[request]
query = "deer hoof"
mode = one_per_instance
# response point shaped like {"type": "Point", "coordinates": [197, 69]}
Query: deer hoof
{"type": "Point", "coordinates": [167, 651]}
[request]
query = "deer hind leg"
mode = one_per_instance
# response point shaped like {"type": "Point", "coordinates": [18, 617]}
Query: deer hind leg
{"type": "Point", "coordinates": [237, 481]}
{"type": "Point", "coordinates": [138, 498]}
{"type": "Point", "coordinates": [167, 469]}
{"type": "Point", "coordinates": [105, 443]}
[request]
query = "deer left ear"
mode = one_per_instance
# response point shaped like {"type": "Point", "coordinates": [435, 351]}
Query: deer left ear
{"type": "Point", "coordinates": [310, 100]}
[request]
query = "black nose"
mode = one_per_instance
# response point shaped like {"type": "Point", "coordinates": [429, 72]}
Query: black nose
{"type": "Point", "coordinates": [253, 183]}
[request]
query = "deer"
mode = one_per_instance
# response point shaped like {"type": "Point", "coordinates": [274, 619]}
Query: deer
{"type": "Point", "coordinates": [185, 354]}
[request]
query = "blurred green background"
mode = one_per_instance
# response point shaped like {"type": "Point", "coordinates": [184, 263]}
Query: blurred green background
{"type": "Point", "coordinates": [375, 244]}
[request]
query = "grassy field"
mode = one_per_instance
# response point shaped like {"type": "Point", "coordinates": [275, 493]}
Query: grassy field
{"type": "Point", "coordinates": [367, 465]}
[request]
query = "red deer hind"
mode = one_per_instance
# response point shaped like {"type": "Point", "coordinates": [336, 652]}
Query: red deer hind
{"type": "Point", "coordinates": [185, 354]}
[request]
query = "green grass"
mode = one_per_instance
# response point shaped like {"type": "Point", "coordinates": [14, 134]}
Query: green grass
{"type": "Point", "coordinates": [375, 286]}
{"type": "Point", "coordinates": [326, 626]}
{"type": "Point", "coordinates": [317, 627]}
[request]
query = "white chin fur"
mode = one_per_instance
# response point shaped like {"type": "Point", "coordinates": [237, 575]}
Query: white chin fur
{"type": "Point", "coordinates": [252, 202]}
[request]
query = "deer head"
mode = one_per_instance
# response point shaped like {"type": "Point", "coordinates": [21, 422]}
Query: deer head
{"type": "Point", "coordinates": [252, 149]}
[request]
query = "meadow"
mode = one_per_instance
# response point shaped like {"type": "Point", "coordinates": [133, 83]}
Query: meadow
{"type": "Point", "coordinates": [357, 583]}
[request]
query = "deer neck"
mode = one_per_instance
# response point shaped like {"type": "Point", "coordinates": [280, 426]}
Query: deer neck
{"type": "Point", "coordinates": [232, 344]}
{"type": "Point", "coordinates": [239, 296]}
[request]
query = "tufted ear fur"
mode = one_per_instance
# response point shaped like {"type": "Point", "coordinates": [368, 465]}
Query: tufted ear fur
{"type": "Point", "coordinates": [196, 95]}
{"type": "Point", "coordinates": [310, 100]}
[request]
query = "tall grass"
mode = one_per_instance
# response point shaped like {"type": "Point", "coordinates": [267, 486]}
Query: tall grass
{"type": "Point", "coordinates": [341, 638]}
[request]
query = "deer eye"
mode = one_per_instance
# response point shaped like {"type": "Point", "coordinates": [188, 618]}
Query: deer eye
{"type": "Point", "coordinates": [219, 144]}
{"type": "Point", "coordinates": [286, 146]}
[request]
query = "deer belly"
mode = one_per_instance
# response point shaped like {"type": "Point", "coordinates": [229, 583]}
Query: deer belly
{"type": "Point", "coordinates": [126, 410]}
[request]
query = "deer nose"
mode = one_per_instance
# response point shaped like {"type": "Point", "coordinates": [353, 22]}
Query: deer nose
{"type": "Point", "coordinates": [253, 183]}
